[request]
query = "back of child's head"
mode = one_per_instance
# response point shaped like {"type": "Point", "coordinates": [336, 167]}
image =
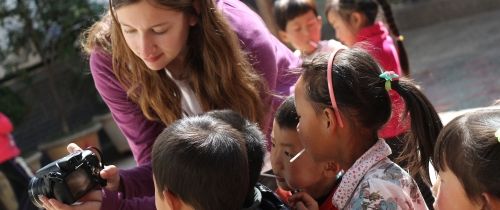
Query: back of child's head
{"type": "Point", "coordinates": [286, 10]}
{"type": "Point", "coordinates": [203, 161]}
{"type": "Point", "coordinates": [286, 114]}
{"type": "Point", "coordinates": [254, 140]}
{"type": "Point", "coordinates": [469, 146]}
{"type": "Point", "coordinates": [369, 8]}
{"type": "Point", "coordinates": [361, 96]}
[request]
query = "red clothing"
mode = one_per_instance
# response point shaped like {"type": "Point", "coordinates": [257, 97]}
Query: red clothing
{"type": "Point", "coordinates": [326, 205]}
{"type": "Point", "coordinates": [376, 40]}
{"type": "Point", "coordinates": [8, 148]}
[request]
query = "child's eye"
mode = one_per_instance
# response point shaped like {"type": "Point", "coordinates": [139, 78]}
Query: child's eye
{"type": "Point", "coordinates": [272, 144]}
{"type": "Point", "coordinates": [288, 154]}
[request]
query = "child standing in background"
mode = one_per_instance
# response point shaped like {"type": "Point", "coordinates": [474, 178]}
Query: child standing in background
{"type": "Point", "coordinates": [467, 157]}
{"type": "Point", "coordinates": [354, 21]}
{"type": "Point", "coordinates": [13, 166]}
{"type": "Point", "coordinates": [300, 26]}
{"type": "Point", "coordinates": [317, 179]}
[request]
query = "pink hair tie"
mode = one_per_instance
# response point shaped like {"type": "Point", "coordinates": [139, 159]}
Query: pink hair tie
{"type": "Point", "coordinates": [329, 71]}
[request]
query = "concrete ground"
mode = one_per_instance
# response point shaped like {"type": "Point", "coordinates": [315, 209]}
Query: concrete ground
{"type": "Point", "coordinates": [457, 63]}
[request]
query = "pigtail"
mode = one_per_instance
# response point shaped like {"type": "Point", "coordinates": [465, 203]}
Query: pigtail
{"type": "Point", "coordinates": [403, 57]}
{"type": "Point", "coordinates": [425, 127]}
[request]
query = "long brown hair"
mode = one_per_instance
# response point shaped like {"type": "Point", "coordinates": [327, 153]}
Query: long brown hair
{"type": "Point", "coordinates": [370, 9]}
{"type": "Point", "coordinates": [221, 77]}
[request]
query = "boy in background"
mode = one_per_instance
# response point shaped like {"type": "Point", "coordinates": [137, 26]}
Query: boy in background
{"type": "Point", "coordinates": [300, 26]}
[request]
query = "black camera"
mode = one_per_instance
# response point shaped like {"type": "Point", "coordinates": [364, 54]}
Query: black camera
{"type": "Point", "coordinates": [67, 179]}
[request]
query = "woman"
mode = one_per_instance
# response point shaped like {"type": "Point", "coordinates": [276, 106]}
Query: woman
{"type": "Point", "coordinates": [178, 57]}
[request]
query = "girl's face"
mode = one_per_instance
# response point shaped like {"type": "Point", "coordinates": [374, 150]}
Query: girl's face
{"type": "Point", "coordinates": [303, 32]}
{"type": "Point", "coordinates": [304, 173]}
{"type": "Point", "coordinates": [312, 126]}
{"type": "Point", "coordinates": [154, 33]}
{"type": "Point", "coordinates": [451, 194]}
{"type": "Point", "coordinates": [344, 31]}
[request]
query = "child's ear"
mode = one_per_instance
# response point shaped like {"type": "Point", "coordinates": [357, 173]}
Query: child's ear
{"type": "Point", "coordinates": [329, 118]}
{"type": "Point", "coordinates": [172, 200]}
{"type": "Point", "coordinates": [283, 36]}
{"type": "Point", "coordinates": [357, 20]}
{"type": "Point", "coordinates": [489, 201]}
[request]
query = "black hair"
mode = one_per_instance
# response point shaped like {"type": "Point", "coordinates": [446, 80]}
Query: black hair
{"type": "Point", "coordinates": [370, 9]}
{"type": "Point", "coordinates": [469, 148]}
{"type": "Point", "coordinates": [286, 115]}
{"type": "Point", "coordinates": [203, 161]}
{"type": "Point", "coordinates": [254, 140]}
{"type": "Point", "coordinates": [362, 97]}
{"type": "Point", "coordinates": [286, 10]}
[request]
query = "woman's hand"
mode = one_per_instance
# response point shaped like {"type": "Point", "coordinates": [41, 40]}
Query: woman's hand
{"type": "Point", "coordinates": [110, 173]}
{"type": "Point", "coordinates": [91, 201]}
{"type": "Point", "coordinates": [303, 201]}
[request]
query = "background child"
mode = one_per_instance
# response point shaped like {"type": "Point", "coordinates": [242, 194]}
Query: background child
{"type": "Point", "coordinates": [259, 196]}
{"type": "Point", "coordinates": [300, 26]}
{"type": "Point", "coordinates": [354, 21]}
{"type": "Point", "coordinates": [200, 163]}
{"type": "Point", "coordinates": [467, 156]}
{"type": "Point", "coordinates": [339, 118]}
{"type": "Point", "coordinates": [317, 179]}
{"type": "Point", "coordinates": [355, 24]}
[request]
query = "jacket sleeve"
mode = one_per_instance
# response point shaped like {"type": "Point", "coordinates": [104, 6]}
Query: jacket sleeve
{"type": "Point", "coordinates": [140, 134]}
{"type": "Point", "coordinates": [139, 131]}
{"type": "Point", "coordinates": [5, 125]}
{"type": "Point", "coordinates": [116, 202]}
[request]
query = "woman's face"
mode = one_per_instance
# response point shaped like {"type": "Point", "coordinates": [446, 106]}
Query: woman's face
{"type": "Point", "coordinates": [154, 33]}
{"type": "Point", "coordinates": [451, 193]}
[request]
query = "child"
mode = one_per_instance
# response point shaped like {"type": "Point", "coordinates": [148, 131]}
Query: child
{"type": "Point", "coordinates": [259, 196]}
{"type": "Point", "coordinates": [316, 179]}
{"type": "Point", "coordinates": [338, 121]}
{"type": "Point", "coordinates": [200, 163]}
{"type": "Point", "coordinates": [467, 157]}
{"type": "Point", "coordinates": [300, 25]}
{"type": "Point", "coordinates": [355, 24]}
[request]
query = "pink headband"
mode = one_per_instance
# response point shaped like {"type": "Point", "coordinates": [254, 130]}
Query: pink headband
{"type": "Point", "coordinates": [330, 87]}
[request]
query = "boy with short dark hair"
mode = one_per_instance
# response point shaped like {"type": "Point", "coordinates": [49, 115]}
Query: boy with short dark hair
{"type": "Point", "coordinates": [200, 163]}
{"type": "Point", "coordinates": [259, 196]}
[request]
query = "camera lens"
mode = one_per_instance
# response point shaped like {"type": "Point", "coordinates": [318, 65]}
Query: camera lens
{"type": "Point", "coordinates": [37, 188]}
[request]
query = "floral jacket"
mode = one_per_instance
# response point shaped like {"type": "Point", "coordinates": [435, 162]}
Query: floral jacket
{"type": "Point", "coordinates": [375, 182]}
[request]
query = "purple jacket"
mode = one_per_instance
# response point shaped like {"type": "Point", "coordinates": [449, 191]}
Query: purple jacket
{"type": "Point", "coordinates": [268, 56]}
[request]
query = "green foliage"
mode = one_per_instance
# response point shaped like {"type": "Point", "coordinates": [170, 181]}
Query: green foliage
{"type": "Point", "coordinates": [48, 28]}
{"type": "Point", "coordinates": [12, 105]}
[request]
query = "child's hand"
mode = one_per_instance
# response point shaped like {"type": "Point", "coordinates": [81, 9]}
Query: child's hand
{"type": "Point", "coordinates": [91, 201]}
{"type": "Point", "coordinates": [303, 201]}
{"type": "Point", "coordinates": [109, 173]}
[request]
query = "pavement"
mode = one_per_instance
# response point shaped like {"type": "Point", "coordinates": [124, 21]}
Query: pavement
{"type": "Point", "coordinates": [456, 63]}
